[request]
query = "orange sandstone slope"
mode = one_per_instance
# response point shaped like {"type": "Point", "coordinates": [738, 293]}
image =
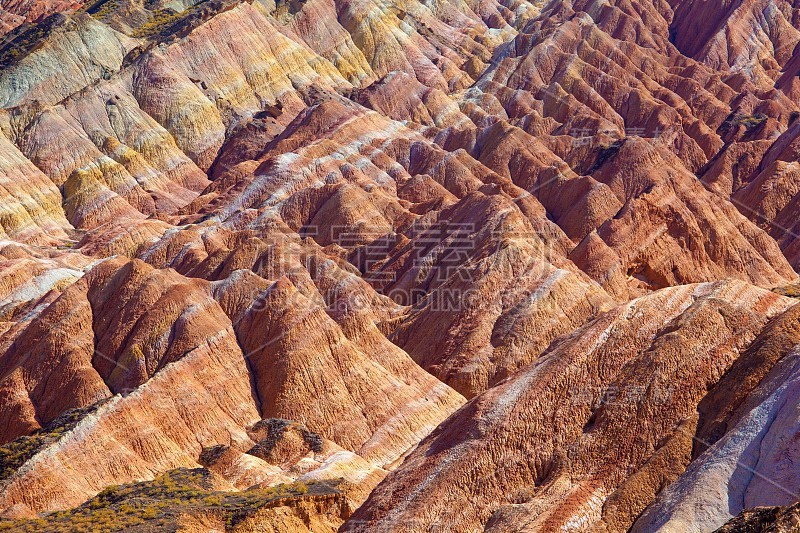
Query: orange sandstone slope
{"type": "Point", "coordinates": [499, 266]}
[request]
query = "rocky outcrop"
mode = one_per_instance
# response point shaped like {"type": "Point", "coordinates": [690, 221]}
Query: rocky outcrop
{"type": "Point", "coordinates": [778, 519]}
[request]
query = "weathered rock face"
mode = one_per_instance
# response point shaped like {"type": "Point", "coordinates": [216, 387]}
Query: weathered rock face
{"type": "Point", "coordinates": [747, 435]}
{"type": "Point", "coordinates": [590, 432]}
{"type": "Point", "coordinates": [482, 265]}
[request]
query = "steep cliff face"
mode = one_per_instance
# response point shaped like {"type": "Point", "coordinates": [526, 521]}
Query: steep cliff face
{"type": "Point", "coordinates": [489, 265]}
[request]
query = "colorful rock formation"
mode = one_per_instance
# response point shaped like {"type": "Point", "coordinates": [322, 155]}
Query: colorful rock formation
{"type": "Point", "coordinates": [474, 266]}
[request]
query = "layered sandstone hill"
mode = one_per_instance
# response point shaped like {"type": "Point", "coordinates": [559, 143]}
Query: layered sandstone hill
{"type": "Point", "coordinates": [159, 356]}
{"type": "Point", "coordinates": [590, 433]}
{"type": "Point", "coordinates": [483, 265]}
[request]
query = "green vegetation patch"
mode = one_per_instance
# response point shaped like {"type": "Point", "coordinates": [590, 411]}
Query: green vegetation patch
{"type": "Point", "coordinates": [750, 122]}
{"type": "Point", "coordinates": [313, 440]}
{"type": "Point", "coordinates": [17, 452]}
{"type": "Point", "coordinates": [275, 428]}
{"type": "Point", "coordinates": [793, 291]}
{"type": "Point", "coordinates": [604, 154]}
{"type": "Point", "coordinates": [160, 21]}
{"type": "Point", "coordinates": [167, 23]}
{"type": "Point", "coordinates": [100, 9]}
{"type": "Point", "coordinates": [158, 504]}
{"type": "Point", "coordinates": [28, 37]}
